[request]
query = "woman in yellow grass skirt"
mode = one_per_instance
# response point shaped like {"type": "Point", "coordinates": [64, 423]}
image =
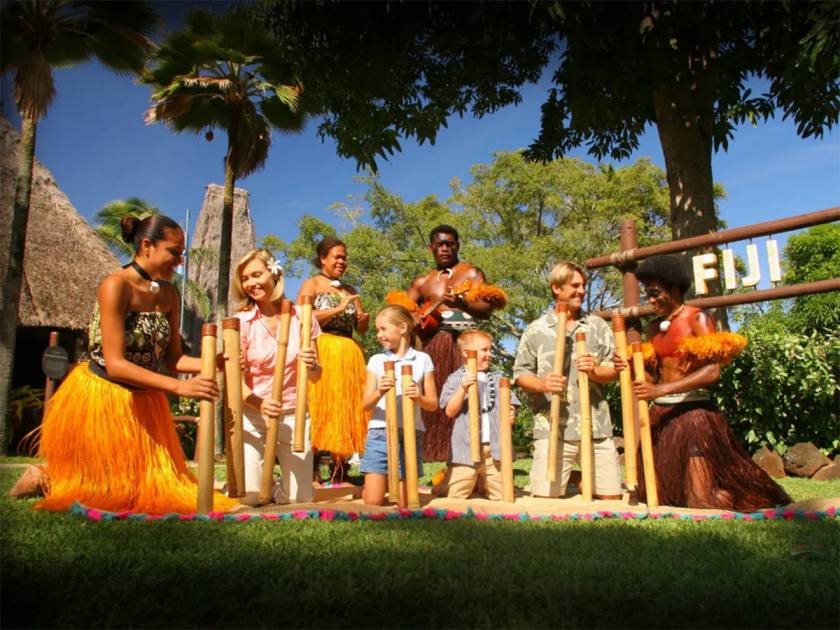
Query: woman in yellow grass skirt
{"type": "Point", "coordinates": [339, 424]}
{"type": "Point", "coordinates": [108, 436]}
{"type": "Point", "coordinates": [699, 461]}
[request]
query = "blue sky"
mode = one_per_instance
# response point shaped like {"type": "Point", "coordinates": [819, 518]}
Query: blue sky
{"type": "Point", "coordinates": [96, 145]}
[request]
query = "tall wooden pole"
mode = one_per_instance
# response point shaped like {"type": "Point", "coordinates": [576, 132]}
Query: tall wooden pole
{"type": "Point", "coordinates": [645, 432]}
{"type": "Point", "coordinates": [299, 437]}
{"type": "Point", "coordinates": [409, 441]}
{"type": "Point", "coordinates": [474, 408]}
{"type": "Point", "coordinates": [506, 440]}
{"type": "Point", "coordinates": [207, 423]}
{"type": "Point", "coordinates": [562, 311]}
{"type": "Point", "coordinates": [586, 467]}
{"type": "Point", "coordinates": [392, 439]}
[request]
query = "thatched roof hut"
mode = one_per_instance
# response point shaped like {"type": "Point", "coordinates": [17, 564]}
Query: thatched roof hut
{"type": "Point", "coordinates": [64, 258]}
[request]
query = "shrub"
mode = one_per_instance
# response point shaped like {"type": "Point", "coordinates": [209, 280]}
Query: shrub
{"type": "Point", "coordinates": [784, 388]}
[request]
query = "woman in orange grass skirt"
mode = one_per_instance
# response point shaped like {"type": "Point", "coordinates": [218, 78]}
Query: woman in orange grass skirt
{"type": "Point", "coordinates": [108, 436]}
{"type": "Point", "coordinates": [339, 423]}
{"type": "Point", "coordinates": [699, 461]}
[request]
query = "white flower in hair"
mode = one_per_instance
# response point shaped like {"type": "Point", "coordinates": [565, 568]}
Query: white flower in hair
{"type": "Point", "coordinates": [274, 267]}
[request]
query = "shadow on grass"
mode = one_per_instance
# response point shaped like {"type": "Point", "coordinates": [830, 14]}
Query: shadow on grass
{"type": "Point", "coordinates": [59, 570]}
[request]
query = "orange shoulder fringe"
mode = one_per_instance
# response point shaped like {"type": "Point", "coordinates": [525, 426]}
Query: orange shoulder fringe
{"type": "Point", "coordinates": [718, 347]}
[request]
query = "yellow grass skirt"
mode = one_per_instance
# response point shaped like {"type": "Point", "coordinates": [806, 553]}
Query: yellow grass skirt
{"type": "Point", "coordinates": [115, 449]}
{"type": "Point", "coordinates": [339, 424]}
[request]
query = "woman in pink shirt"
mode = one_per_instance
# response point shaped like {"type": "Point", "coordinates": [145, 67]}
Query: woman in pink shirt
{"type": "Point", "coordinates": [258, 284]}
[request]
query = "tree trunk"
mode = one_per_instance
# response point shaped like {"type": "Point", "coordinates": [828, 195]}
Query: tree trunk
{"type": "Point", "coordinates": [684, 122]}
{"type": "Point", "coordinates": [14, 272]}
{"type": "Point", "coordinates": [223, 281]}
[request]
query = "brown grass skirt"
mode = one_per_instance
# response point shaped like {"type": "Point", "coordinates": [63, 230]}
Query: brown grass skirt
{"type": "Point", "coordinates": [698, 426]}
{"type": "Point", "coordinates": [446, 357]}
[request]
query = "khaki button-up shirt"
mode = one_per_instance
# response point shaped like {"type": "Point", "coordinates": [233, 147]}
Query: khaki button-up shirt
{"type": "Point", "coordinates": [535, 356]}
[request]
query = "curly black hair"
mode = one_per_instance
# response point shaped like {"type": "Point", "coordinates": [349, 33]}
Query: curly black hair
{"type": "Point", "coordinates": [668, 269]}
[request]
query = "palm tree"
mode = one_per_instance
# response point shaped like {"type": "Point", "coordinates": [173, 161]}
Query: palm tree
{"type": "Point", "coordinates": [109, 217]}
{"type": "Point", "coordinates": [35, 37]}
{"type": "Point", "coordinates": [225, 71]}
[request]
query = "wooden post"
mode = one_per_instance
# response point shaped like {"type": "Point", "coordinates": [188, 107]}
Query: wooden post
{"type": "Point", "coordinates": [562, 311]}
{"type": "Point", "coordinates": [506, 440]}
{"type": "Point", "coordinates": [270, 454]}
{"type": "Point", "coordinates": [235, 447]}
{"type": "Point", "coordinates": [392, 436]}
{"type": "Point", "coordinates": [644, 431]}
{"type": "Point", "coordinates": [474, 409]}
{"type": "Point", "coordinates": [299, 437]}
{"type": "Point", "coordinates": [628, 412]}
{"type": "Point", "coordinates": [49, 386]}
{"type": "Point", "coordinates": [586, 468]}
{"type": "Point", "coordinates": [207, 423]}
{"type": "Point", "coordinates": [409, 440]}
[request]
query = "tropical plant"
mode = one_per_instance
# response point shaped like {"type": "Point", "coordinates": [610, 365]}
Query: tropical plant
{"type": "Point", "coordinates": [36, 36]}
{"type": "Point", "coordinates": [225, 71]}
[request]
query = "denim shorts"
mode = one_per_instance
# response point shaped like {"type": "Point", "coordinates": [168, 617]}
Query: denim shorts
{"type": "Point", "coordinates": [375, 459]}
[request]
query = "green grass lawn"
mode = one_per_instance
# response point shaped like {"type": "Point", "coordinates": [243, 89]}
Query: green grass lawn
{"type": "Point", "coordinates": [63, 571]}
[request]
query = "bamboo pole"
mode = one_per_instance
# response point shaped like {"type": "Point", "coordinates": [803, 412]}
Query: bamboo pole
{"type": "Point", "coordinates": [474, 409]}
{"type": "Point", "coordinates": [628, 413]}
{"type": "Point", "coordinates": [644, 431]}
{"type": "Point", "coordinates": [562, 311]}
{"type": "Point", "coordinates": [270, 454]}
{"type": "Point", "coordinates": [299, 438]}
{"type": "Point", "coordinates": [506, 440]}
{"type": "Point", "coordinates": [586, 468]}
{"type": "Point", "coordinates": [233, 379]}
{"type": "Point", "coordinates": [409, 441]}
{"type": "Point", "coordinates": [392, 436]}
{"type": "Point", "coordinates": [207, 423]}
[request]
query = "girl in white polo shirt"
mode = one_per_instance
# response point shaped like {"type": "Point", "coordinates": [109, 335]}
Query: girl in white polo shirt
{"type": "Point", "coordinates": [394, 330]}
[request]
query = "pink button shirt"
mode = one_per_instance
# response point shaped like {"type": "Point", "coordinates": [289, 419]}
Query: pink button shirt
{"type": "Point", "coordinates": [259, 347]}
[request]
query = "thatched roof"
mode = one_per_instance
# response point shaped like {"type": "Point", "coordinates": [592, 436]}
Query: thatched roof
{"type": "Point", "coordinates": [64, 259]}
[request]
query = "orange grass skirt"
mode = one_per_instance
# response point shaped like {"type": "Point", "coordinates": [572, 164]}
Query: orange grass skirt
{"type": "Point", "coordinates": [115, 449]}
{"type": "Point", "coordinates": [339, 424]}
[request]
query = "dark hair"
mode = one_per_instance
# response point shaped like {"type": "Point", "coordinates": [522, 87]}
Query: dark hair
{"type": "Point", "coordinates": [134, 230]}
{"type": "Point", "coordinates": [323, 248]}
{"type": "Point", "coordinates": [668, 269]}
{"type": "Point", "coordinates": [443, 229]}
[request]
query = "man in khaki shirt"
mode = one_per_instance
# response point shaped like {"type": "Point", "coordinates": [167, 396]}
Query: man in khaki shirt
{"type": "Point", "coordinates": [533, 372]}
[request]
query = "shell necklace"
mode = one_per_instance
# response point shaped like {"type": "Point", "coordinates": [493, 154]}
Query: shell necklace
{"type": "Point", "coordinates": [665, 324]}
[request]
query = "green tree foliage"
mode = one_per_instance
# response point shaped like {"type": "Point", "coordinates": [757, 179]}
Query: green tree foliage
{"type": "Point", "coordinates": [784, 388]}
{"type": "Point", "coordinates": [402, 68]}
{"type": "Point", "coordinates": [685, 68]}
{"type": "Point", "coordinates": [814, 255]}
{"type": "Point", "coordinates": [37, 36]}
{"type": "Point", "coordinates": [226, 71]}
{"type": "Point", "coordinates": [381, 71]}
{"type": "Point", "coordinates": [516, 219]}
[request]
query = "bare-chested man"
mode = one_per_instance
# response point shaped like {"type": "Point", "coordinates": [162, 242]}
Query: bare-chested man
{"type": "Point", "coordinates": [445, 311]}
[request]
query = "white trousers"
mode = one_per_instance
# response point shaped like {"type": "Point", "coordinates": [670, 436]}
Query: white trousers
{"type": "Point", "coordinates": [295, 483]}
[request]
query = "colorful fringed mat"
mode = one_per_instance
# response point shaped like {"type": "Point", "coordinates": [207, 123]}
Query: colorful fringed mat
{"type": "Point", "coordinates": [453, 515]}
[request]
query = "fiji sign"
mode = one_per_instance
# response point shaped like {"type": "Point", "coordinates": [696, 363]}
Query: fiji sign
{"type": "Point", "coordinates": [705, 268]}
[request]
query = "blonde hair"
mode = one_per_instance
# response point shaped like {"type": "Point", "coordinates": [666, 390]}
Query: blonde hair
{"type": "Point", "coordinates": [562, 273]}
{"type": "Point", "coordinates": [465, 337]}
{"type": "Point", "coordinates": [244, 301]}
{"type": "Point", "coordinates": [397, 315]}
